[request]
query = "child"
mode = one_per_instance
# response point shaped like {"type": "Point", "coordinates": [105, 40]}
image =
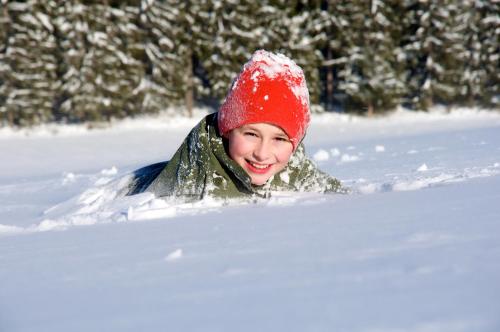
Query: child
{"type": "Point", "coordinates": [251, 146]}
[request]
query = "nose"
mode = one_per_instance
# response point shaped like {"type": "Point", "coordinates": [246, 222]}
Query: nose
{"type": "Point", "coordinates": [262, 151]}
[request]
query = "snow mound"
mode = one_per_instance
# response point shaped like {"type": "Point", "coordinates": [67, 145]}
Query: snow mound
{"type": "Point", "coordinates": [104, 200]}
{"type": "Point", "coordinates": [321, 155]}
{"type": "Point", "coordinates": [423, 168]}
{"type": "Point", "coordinates": [417, 181]}
{"type": "Point", "coordinates": [174, 255]}
{"type": "Point", "coordinates": [347, 158]}
{"type": "Point", "coordinates": [7, 229]}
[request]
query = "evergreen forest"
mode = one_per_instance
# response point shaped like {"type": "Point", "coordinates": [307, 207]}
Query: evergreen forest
{"type": "Point", "coordinates": [73, 61]}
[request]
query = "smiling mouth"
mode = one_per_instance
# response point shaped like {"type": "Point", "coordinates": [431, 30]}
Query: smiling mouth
{"type": "Point", "coordinates": [258, 168]}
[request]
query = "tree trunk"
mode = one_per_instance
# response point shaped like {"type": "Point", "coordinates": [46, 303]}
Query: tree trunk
{"type": "Point", "coordinates": [427, 103]}
{"type": "Point", "coordinates": [329, 82]}
{"type": "Point", "coordinates": [189, 96]}
{"type": "Point", "coordinates": [470, 99]}
{"type": "Point", "coordinates": [371, 110]}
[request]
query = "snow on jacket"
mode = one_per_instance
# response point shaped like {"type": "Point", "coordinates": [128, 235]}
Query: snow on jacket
{"type": "Point", "coordinates": [201, 167]}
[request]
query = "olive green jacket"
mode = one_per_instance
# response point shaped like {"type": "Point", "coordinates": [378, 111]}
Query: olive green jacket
{"type": "Point", "coordinates": [201, 167]}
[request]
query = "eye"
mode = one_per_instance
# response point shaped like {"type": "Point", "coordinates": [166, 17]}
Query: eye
{"type": "Point", "coordinates": [250, 133]}
{"type": "Point", "coordinates": [282, 139]}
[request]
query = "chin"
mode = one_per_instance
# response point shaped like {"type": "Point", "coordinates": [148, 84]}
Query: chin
{"type": "Point", "coordinates": [259, 182]}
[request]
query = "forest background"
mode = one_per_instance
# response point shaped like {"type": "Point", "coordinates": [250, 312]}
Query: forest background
{"type": "Point", "coordinates": [78, 61]}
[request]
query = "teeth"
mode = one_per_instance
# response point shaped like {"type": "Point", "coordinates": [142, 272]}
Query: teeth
{"type": "Point", "coordinates": [259, 166]}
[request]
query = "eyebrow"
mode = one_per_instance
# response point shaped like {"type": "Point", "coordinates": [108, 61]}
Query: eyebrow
{"type": "Point", "coordinates": [250, 126]}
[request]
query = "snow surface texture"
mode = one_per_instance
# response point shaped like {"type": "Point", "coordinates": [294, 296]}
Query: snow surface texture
{"type": "Point", "coordinates": [415, 248]}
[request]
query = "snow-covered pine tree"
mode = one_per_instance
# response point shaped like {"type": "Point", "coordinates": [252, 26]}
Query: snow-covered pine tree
{"type": "Point", "coordinates": [480, 80]}
{"type": "Point", "coordinates": [166, 69]}
{"type": "Point", "coordinates": [328, 24]}
{"type": "Point", "coordinates": [195, 44]}
{"type": "Point", "coordinates": [232, 33]}
{"type": "Point", "coordinates": [4, 24]}
{"type": "Point", "coordinates": [470, 82]}
{"type": "Point", "coordinates": [103, 75]}
{"type": "Point", "coordinates": [434, 48]}
{"type": "Point", "coordinates": [180, 37]}
{"type": "Point", "coordinates": [490, 53]}
{"type": "Point", "coordinates": [4, 32]}
{"type": "Point", "coordinates": [325, 30]}
{"type": "Point", "coordinates": [30, 64]}
{"type": "Point", "coordinates": [73, 25]}
{"type": "Point", "coordinates": [301, 38]}
{"type": "Point", "coordinates": [367, 54]}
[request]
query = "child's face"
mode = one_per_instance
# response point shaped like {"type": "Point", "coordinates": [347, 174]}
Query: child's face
{"type": "Point", "coordinates": [261, 149]}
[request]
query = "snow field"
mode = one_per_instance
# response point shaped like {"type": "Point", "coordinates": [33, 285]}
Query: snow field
{"type": "Point", "coordinates": [416, 247]}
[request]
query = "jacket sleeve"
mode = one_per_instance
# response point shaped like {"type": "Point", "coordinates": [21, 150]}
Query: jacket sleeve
{"type": "Point", "coordinates": [143, 177]}
{"type": "Point", "coordinates": [185, 173]}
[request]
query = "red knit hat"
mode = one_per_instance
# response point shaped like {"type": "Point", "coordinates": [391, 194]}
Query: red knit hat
{"type": "Point", "coordinates": [272, 89]}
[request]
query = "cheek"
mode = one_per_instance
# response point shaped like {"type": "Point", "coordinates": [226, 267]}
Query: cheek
{"type": "Point", "coordinates": [238, 147]}
{"type": "Point", "coordinates": [283, 154]}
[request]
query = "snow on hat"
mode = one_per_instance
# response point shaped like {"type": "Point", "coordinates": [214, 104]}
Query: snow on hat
{"type": "Point", "coordinates": [271, 88]}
